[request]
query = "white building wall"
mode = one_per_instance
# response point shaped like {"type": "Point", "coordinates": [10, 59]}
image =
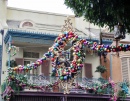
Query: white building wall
{"type": "Point", "coordinates": [4, 67]}
{"type": "Point", "coordinates": [19, 54]}
{"type": "Point", "coordinates": [95, 61]}
{"type": "Point", "coordinates": [3, 25]}
{"type": "Point", "coordinates": [37, 17]}
{"type": "Point", "coordinates": [127, 39]}
{"type": "Point", "coordinates": [3, 12]}
{"type": "Point", "coordinates": [92, 59]}
{"type": "Point", "coordinates": [40, 50]}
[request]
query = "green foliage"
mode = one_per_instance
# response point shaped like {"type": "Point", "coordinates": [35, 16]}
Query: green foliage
{"type": "Point", "coordinates": [102, 12]}
{"type": "Point", "coordinates": [53, 74]}
{"type": "Point", "coordinates": [124, 91]}
{"type": "Point", "coordinates": [101, 69]}
{"type": "Point", "coordinates": [12, 63]}
{"type": "Point", "coordinates": [3, 86]}
{"type": "Point", "coordinates": [122, 94]}
{"type": "Point", "coordinates": [15, 83]}
{"type": "Point", "coordinates": [102, 80]}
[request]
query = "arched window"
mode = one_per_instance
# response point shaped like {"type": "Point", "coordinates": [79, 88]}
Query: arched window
{"type": "Point", "coordinates": [27, 24]}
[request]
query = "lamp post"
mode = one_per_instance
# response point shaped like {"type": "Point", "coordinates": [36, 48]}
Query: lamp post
{"type": "Point", "coordinates": [9, 45]}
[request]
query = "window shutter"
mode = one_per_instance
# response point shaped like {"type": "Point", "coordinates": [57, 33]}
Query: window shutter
{"type": "Point", "coordinates": [45, 67]}
{"type": "Point", "coordinates": [88, 70]}
{"type": "Point", "coordinates": [128, 69]}
{"type": "Point", "coordinates": [19, 61]}
{"type": "Point", "coordinates": [125, 62]}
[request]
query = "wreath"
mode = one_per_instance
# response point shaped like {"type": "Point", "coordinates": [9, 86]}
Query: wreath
{"type": "Point", "coordinates": [12, 50]}
{"type": "Point", "coordinates": [63, 68]}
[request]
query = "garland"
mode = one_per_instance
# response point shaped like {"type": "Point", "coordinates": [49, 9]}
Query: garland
{"type": "Point", "coordinates": [58, 50]}
{"type": "Point", "coordinates": [12, 49]}
{"type": "Point", "coordinates": [56, 53]}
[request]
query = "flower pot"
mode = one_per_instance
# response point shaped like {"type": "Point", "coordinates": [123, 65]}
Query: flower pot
{"type": "Point", "coordinates": [55, 88]}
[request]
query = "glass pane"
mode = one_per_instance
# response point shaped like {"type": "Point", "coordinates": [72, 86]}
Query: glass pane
{"type": "Point", "coordinates": [27, 54]}
{"type": "Point", "coordinates": [35, 55]}
{"type": "Point", "coordinates": [31, 55]}
{"type": "Point", "coordinates": [26, 62]}
{"type": "Point", "coordinates": [26, 71]}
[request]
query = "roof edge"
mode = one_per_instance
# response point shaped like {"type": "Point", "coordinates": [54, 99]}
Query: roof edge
{"type": "Point", "coordinates": [40, 12]}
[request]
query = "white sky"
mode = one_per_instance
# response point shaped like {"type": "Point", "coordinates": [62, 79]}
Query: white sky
{"type": "Point", "coordinates": [55, 6]}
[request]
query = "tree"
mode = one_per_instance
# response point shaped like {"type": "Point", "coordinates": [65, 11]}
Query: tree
{"type": "Point", "coordinates": [102, 12]}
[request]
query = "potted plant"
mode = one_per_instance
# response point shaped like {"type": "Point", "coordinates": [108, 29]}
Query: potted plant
{"type": "Point", "coordinates": [12, 63]}
{"type": "Point", "coordinates": [101, 69]}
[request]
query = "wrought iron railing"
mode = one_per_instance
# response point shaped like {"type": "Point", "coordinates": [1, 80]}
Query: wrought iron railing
{"type": "Point", "coordinates": [42, 80]}
{"type": "Point", "coordinates": [80, 90]}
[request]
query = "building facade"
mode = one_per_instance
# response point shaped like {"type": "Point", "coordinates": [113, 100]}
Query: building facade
{"type": "Point", "coordinates": [34, 32]}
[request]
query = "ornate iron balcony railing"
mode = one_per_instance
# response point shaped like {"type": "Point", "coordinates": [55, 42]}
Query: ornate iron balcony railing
{"type": "Point", "coordinates": [79, 82]}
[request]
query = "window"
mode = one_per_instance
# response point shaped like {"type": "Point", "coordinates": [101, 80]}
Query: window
{"type": "Point", "coordinates": [30, 55]}
{"type": "Point", "coordinates": [26, 62]}
{"type": "Point", "coordinates": [33, 71]}
{"type": "Point", "coordinates": [125, 67]}
{"type": "Point", "coordinates": [27, 24]}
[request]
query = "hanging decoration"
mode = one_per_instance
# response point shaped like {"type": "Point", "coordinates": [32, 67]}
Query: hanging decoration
{"type": "Point", "coordinates": [12, 50]}
{"type": "Point", "coordinates": [66, 70]}
{"type": "Point", "coordinates": [57, 49]}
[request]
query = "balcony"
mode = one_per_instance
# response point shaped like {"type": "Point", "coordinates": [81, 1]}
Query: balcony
{"type": "Point", "coordinates": [83, 89]}
{"type": "Point", "coordinates": [79, 82]}
{"type": "Point", "coordinates": [46, 96]}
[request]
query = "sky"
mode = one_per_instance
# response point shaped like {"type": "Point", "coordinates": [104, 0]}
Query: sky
{"type": "Point", "coordinates": [55, 6]}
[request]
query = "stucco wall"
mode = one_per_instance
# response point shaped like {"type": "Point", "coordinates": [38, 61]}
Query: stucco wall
{"type": "Point", "coordinates": [4, 59]}
{"type": "Point", "coordinates": [116, 69]}
{"type": "Point", "coordinates": [3, 10]}
{"type": "Point", "coordinates": [19, 54]}
{"type": "Point", "coordinates": [94, 60]}
{"type": "Point", "coordinates": [40, 50]}
{"type": "Point", "coordinates": [106, 74]}
{"type": "Point", "coordinates": [81, 22]}
{"type": "Point", "coordinates": [115, 62]}
{"type": "Point", "coordinates": [37, 17]}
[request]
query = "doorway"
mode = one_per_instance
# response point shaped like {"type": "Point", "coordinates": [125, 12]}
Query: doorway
{"type": "Point", "coordinates": [88, 70]}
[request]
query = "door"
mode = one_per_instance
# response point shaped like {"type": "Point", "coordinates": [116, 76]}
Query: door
{"type": "Point", "coordinates": [19, 61]}
{"type": "Point", "coordinates": [33, 71]}
{"type": "Point", "coordinates": [45, 67]}
{"type": "Point", "coordinates": [88, 70]}
{"type": "Point", "coordinates": [32, 74]}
